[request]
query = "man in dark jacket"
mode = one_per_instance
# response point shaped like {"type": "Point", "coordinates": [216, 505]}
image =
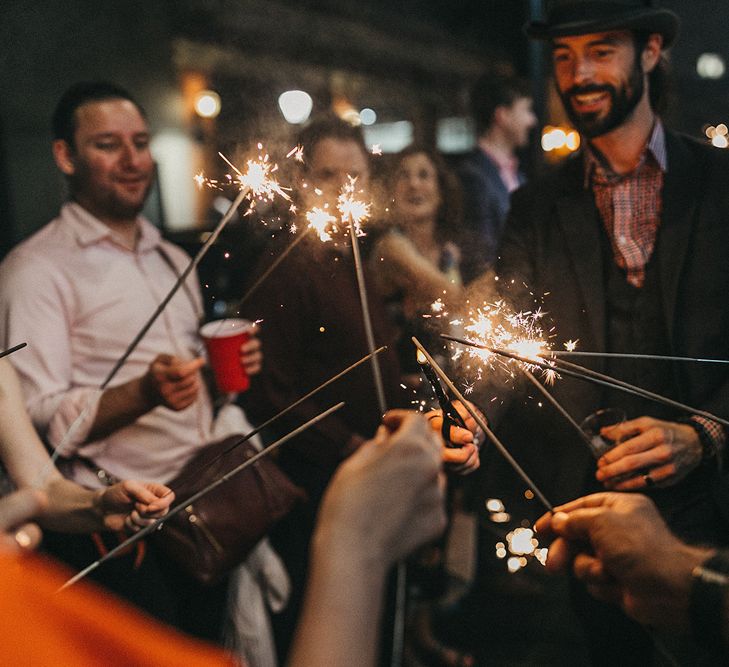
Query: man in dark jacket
{"type": "Point", "coordinates": [628, 241]}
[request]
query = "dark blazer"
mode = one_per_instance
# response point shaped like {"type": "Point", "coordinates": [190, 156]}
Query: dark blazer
{"type": "Point", "coordinates": [552, 244]}
{"type": "Point", "coordinates": [485, 207]}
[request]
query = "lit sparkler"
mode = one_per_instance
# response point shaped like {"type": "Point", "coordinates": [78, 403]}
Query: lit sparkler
{"type": "Point", "coordinates": [496, 325]}
{"type": "Point", "coordinates": [322, 222]}
{"type": "Point", "coordinates": [582, 373]}
{"type": "Point", "coordinates": [481, 422]}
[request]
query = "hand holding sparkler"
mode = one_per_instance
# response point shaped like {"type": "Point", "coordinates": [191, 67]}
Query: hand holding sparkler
{"type": "Point", "coordinates": [655, 452]}
{"type": "Point", "coordinates": [457, 428]}
{"type": "Point", "coordinates": [461, 451]}
{"type": "Point", "coordinates": [619, 545]}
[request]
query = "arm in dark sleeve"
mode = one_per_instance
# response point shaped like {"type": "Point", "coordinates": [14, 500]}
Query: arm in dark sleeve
{"type": "Point", "coordinates": [285, 306]}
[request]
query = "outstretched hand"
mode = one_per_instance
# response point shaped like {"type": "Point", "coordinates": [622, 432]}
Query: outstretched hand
{"type": "Point", "coordinates": [620, 547]}
{"type": "Point", "coordinates": [388, 497]}
{"type": "Point", "coordinates": [133, 505]}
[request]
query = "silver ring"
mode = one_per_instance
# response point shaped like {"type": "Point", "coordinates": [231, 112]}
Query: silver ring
{"type": "Point", "coordinates": [649, 481]}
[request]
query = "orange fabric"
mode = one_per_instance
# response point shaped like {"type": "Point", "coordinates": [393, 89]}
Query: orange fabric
{"type": "Point", "coordinates": [83, 625]}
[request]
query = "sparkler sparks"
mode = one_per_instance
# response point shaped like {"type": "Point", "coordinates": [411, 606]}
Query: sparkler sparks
{"type": "Point", "coordinates": [496, 325]}
{"type": "Point", "coordinates": [297, 152]}
{"type": "Point", "coordinates": [350, 209]}
{"type": "Point", "coordinates": [322, 222]}
{"type": "Point", "coordinates": [257, 181]}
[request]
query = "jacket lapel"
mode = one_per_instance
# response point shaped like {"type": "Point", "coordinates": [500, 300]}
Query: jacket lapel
{"type": "Point", "coordinates": [681, 193]}
{"type": "Point", "coordinates": [579, 222]}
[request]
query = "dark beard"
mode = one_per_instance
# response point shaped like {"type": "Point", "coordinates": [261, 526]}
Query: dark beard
{"type": "Point", "coordinates": [623, 103]}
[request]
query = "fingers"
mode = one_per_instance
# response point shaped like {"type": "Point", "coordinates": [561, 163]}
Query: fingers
{"type": "Point", "coordinates": [462, 460]}
{"type": "Point", "coordinates": [575, 525]}
{"type": "Point", "coordinates": [150, 499]}
{"type": "Point", "coordinates": [628, 429]}
{"type": "Point", "coordinates": [649, 449]}
{"type": "Point", "coordinates": [176, 370]}
{"type": "Point", "coordinates": [457, 435]}
{"type": "Point", "coordinates": [251, 357]}
{"type": "Point", "coordinates": [466, 415]}
{"type": "Point", "coordinates": [19, 507]}
{"type": "Point", "coordinates": [393, 419]}
{"type": "Point", "coordinates": [15, 510]}
{"type": "Point", "coordinates": [176, 383]}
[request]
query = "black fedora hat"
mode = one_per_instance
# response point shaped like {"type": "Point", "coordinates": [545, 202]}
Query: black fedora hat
{"type": "Point", "coordinates": [582, 17]}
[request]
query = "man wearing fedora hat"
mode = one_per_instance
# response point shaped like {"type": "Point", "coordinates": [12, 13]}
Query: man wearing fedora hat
{"type": "Point", "coordinates": [627, 241]}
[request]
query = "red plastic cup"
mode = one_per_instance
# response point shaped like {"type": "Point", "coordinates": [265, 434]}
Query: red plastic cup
{"type": "Point", "coordinates": [223, 339]}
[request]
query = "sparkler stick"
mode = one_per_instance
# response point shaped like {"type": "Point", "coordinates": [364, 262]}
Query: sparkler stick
{"type": "Point", "coordinates": [582, 373]}
{"type": "Point", "coordinates": [196, 496]}
{"type": "Point", "coordinates": [376, 374]}
{"type": "Point", "coordinates": [451, 416]}
{"type": "Point", "coordinates": [630, 355]}
{"type": "Point", "coordinates": [284, 253]}
{"type": "Point", "coordinates": [10, 350]}
{"type": "Point", "coordinates": [558, 406]}
{"type": "Point", "coordinates": [484, 427]}
{"type": "Point", "coordinates": [564, 366]}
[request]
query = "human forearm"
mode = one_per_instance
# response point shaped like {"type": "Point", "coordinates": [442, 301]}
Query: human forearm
{"type": "Point", "coordinates": [72, 508]}
{"type": "Point", "coordinates": [343, 600]}
{"type": "Point", "coordinates": [121, 406]}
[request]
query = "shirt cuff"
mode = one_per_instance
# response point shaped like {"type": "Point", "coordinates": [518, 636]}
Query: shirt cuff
{"type": "Point", "coordinates": [71, 424]}
{"type": "Point", "coordinates": [711, 434]}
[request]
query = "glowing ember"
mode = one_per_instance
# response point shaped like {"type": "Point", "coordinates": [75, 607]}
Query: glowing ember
{"type": "Point", "coordinates": [571, 345]}
{"type": "Point", "coordinates": [297, 152]}
{"type": "Point", "coordinates": [350, 208]}
{"type": "Point", "coordinates": [322, 222]}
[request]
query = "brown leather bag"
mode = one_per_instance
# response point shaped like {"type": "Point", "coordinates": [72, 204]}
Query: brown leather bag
{"type": "Point", "coordinates": [219, 530]}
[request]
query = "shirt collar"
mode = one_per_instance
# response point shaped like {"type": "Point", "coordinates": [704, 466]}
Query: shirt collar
{"type": "Point", "coordinates": [501, 160]}
{"type": "Point", "coordinates": [89, 230]}
{"type": "Point", "coordinates": [655, 149]}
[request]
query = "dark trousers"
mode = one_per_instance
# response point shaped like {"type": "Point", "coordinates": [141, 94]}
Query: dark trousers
{"type": "Point", "coordinates": [156, 586]}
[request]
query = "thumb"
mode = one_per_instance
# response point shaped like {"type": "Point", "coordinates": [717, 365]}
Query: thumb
{"type": "Point", "coordinates": [577, 524]}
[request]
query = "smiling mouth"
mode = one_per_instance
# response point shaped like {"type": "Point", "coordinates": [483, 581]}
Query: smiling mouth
{"type": "Point", "coordinates": [589, 99]}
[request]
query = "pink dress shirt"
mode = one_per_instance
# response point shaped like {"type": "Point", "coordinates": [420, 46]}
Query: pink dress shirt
{"type": "Point", "coordinates": [78, 297]}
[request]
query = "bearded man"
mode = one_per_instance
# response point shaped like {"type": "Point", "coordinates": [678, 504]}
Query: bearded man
{"type": "Point", "coordinates": [628, 241]}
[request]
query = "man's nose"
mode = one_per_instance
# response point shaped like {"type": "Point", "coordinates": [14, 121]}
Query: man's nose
{"type": "Point", "coordinates": [584, 71]}
{"type": "Point", "coordinates": [131, 155]}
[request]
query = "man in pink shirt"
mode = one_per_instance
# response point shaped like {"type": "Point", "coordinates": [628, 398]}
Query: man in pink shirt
{"type": "Point", "coordinates": [78, 291]}
{"type": "Point", "coordinates": [501, 106]}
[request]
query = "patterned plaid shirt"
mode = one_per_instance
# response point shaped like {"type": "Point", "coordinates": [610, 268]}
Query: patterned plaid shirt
{"type": "Point", "coordinates": [630, 204]}
{"type": "Point", "coordinates": [630, 207]}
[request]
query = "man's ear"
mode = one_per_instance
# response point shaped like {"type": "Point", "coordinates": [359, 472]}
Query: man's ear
{"type": "Point", "coordinates": [652, 52]}
{"type": "Point", "coordinates": [63, 155]}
